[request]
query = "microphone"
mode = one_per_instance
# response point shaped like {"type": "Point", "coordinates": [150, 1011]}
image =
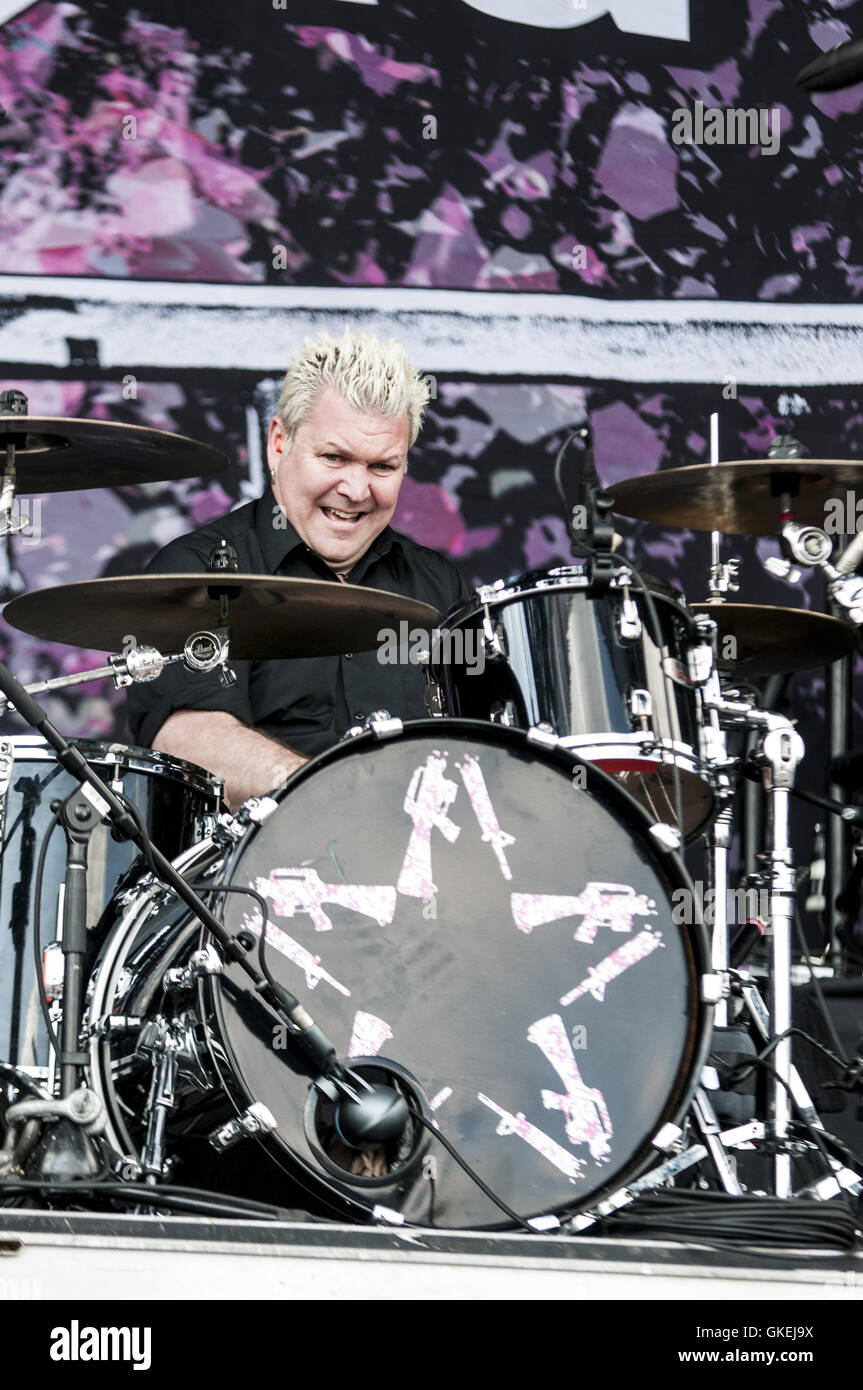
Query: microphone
{"type": "Point", "coordinates": [364, 1114]}
{"type": "Point", "coordinates": [378, 1116]}
{"type": "Point", "coordinates": [841, 67]}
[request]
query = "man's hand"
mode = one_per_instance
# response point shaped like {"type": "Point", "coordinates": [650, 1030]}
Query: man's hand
{"type": "Point", "coordinates": [249, 764]}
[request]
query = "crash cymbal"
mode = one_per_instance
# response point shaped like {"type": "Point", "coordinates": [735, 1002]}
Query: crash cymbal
{"type": "Point", "coordinates": [740, 498]}
{"type": "Point", "coordinates": [773, 641]}
{"type": "Point", "coordinates": [53, 454]}
{"type": "Point", "coordinates": [270, 617]}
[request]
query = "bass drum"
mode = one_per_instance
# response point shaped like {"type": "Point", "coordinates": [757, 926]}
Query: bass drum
{"type": "Point", "coordinates": [475, 917]}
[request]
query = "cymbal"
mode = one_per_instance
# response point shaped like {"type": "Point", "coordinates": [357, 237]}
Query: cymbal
{"type": "Point", "coordinates": [740, 498]}
{"type": "Point", "coordinates": [272, 616]}
{"type": "Point", "coordinates": [774, 641]}
{"type": "Point", "coordinates": [54, 454]}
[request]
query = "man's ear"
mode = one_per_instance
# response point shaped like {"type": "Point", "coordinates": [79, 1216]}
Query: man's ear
{"type": "Point", "coordinates": [277, 443]}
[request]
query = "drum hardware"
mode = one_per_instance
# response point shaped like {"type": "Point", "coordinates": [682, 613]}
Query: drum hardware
{"type": "Point", "coordinates": [82, 1111]}
{"type": "Point", "coordinates": [172, 1049]}
{"type": "Point", "coordinates": [12, 403]}
{"type": "Point", "coordinates": [256, 1119]}
{"type": "Point", "coordinates": [141, 663]}
{"type": "Point", "coordinates": [589, 522]}
{"type": "Point", "coordinates": [640, 708]}
{"type": "Point", "coordinates": [206, 961]}
{"type": "Point", "coordinates": [723, 577]}
{"type": "Point", "coordinates": [628, 619]}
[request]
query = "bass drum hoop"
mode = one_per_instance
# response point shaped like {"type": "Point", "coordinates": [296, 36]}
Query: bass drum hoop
{"type": "Point", "coordinates": [631, 816]}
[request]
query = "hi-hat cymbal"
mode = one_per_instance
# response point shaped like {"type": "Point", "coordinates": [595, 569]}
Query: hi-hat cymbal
{"type": "Point", "coordinates": [270, 617]}
{"type": "Point", "coordinates": [770, 641]}
{"type": "Point", "coordinates": [741, 498]}
{"type": "Point", "coordinates": [53, 454]}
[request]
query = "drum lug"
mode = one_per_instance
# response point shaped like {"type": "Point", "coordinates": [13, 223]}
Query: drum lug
{"type": "Point", "coordinates": [668, 837]}
{"type": "Point", "coordinates": [629, 625]}
{"type": "Point", "coordinates": [640, 706]}
{"type": "Point", "coordinates": [383, 725]}
{"type": "Point", "coordinates": [667, 1138]}
{"type": "Point", "coordinates": [179, 978]}
{"type": "Point", "coordinates": [699, 662]}
{"type": "Point", "coordinates": [714, 987]}
{"type": "Point", "coordinates": [544, 736]}
{"type": "Point", "coordinates": [260, 808]}
{"type": "Point", "coordinates": [433, 699]}
{"type": "Point", "coordinates": [257, 1119]}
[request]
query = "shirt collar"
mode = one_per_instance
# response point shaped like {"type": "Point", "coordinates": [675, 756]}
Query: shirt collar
{"type": "Point", "coordinates": [278, 538]}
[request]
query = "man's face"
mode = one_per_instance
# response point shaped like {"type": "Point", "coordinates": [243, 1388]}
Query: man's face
{"type": "Point", "coordinates": [338, 481]}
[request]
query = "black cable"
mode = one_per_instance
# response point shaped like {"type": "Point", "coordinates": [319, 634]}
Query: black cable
{"type": "Point", "coordinates": [741, 1073]}
{"type": "Point", "coordinates": [558, 483]}
{"type": "Point", "coordinates": [182, 1198]}
{"type": "Point", "coordinates": [744, 1070]}
{"type": "Point", "coordinates": [474, 1177]}
{"type": "Point", "coordinates": [265, 922]}
{"type": "Point", "coordinates": [816, 986]}
{"type": "Point", "coordinates": [722, 1221]}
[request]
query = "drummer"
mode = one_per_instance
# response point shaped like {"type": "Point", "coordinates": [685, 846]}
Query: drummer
{"type": "Point", "coordinates": [349, 410]}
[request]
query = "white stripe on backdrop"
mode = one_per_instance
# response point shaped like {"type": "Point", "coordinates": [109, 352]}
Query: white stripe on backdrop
{"type": "Point", "coordinates": [250, 327]}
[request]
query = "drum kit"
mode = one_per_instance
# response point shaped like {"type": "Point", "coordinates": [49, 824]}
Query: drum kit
{"type": "Point", "coordinates": [454, 972]}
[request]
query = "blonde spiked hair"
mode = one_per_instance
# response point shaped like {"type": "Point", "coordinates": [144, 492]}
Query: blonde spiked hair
{"type": "Point", "coordinates": [370, 374]}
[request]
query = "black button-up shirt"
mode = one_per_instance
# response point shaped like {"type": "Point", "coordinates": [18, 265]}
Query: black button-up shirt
{"type": "Point", "coordinates": [306, 703]}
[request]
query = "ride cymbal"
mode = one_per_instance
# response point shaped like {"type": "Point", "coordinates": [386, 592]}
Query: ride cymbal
{"type": "Point", "coordinates": [270, 616]}
{"type": "Point", "coordinates": [741, 498]}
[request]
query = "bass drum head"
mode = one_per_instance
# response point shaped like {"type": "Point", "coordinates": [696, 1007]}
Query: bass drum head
{"type": "Point", "coordinates": [494, 920]}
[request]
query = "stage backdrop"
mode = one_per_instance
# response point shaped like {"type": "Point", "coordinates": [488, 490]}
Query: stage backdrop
{"type": "Point", "coordinates": [552, 203]}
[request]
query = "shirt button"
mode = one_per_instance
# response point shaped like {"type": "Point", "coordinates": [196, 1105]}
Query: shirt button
{"type": "Point", "coordinates": [349, 656]}
{"type": "Point", "coordinates": [360, 715]}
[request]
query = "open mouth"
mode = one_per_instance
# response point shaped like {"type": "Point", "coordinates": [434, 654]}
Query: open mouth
{"type": "Point", "coordinates": [333, 515]}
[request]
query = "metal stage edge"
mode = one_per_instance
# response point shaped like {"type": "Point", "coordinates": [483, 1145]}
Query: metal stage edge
{"type": "Point", "coordinates": [82, 1255]}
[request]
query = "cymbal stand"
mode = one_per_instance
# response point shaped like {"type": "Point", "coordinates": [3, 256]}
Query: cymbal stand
{"type": "Point", "coordinates": [204, 651]}
{"type": "Point", "coordinates": [723, 578]}
{"type": "Point", "coordinates": [12, 403]}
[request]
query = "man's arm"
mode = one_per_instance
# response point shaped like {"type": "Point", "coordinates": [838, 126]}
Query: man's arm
{"type": "Point", "coordinates": [249, 764]}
